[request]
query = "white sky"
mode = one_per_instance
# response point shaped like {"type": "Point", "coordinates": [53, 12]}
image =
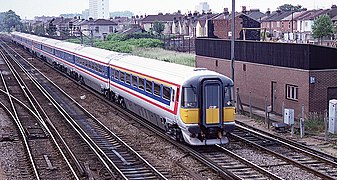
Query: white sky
{"type": "Point", "coordinates": [30, 8]}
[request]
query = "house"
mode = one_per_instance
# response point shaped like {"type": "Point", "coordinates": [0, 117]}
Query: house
{"type": "Point", "coordinates": [167, 19]}
{"type": "Point", "coordinates": [223, 26]}
{"type": "Point", "coordinates": [272, 23]}
{"type": "Point", "coordinates": [202, 25]}
{"type": "Point", "coordinates": [305, 22]}
{"type": "Point", "coordinates": [100, 28]}
{"type": "Point", "coordinates": [283, 75]}
{"type": "Point", "coordinates": [124, 23]}
{"type": "Point", "coordinates": [59, 26]}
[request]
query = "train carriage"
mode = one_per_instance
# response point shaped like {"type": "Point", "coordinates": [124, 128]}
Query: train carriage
{"type": "Point", "coordinates": [92, 67]}
{"type": "Point", "coordinates": [193, 105]}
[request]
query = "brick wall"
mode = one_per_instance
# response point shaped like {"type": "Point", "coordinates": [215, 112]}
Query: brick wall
{"type": "Point", "coordinates": [223, 26]}
{"type": "Point", "coordinates": [257, 79]}
{"type": "Point", "coordinates": [319, 89]}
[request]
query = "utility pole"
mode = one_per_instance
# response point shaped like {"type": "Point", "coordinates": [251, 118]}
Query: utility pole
{"type": "Point", "coordinates": [233, 38]}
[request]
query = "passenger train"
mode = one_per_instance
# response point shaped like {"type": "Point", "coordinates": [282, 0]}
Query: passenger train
{"type": "Point", "coordinates": [194, 105]}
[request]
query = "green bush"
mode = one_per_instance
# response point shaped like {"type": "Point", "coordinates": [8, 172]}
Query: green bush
{"type": "Point", "coordinates": [314, 123]}
{"type": "Point", "coordinates": [146, 43]}
{"type": "Point", "coordinates": [166, 55]}
{"type": "Point", "coordinates": [141, 35]}
{"type": "Point", "coordinates": [115, 46]}
{"type": "Point", "coordinates": [116, 37]}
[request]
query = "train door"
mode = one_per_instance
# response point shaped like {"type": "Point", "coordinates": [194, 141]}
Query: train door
{"type": "Point", "coordinates": [212, 98]}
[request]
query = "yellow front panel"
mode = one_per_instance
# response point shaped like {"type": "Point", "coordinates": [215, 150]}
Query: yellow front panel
{"type": "Point", "coordinates": [190, 116]}
{"type": "Point", "coordinates": [212, 116]}
{"type": "Point", "coordinates": [228, 114]}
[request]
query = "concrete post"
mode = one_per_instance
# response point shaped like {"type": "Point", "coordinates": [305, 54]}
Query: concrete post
{"type": "Point", "coordinates": [250, 105]}
{"type": "Point", "coordinates": [301, 127]}
{"type": "Point", "coordinates": [326, 126]}
{"type": "Point", "coordinates": [265, 109]}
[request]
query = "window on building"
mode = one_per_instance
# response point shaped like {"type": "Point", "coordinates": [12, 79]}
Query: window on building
{"type": "Point", "coordinates": [292, 92]}
{"type": "Point", "coordinates": [97, 29]}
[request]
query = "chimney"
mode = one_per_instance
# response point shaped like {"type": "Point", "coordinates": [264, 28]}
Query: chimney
{"type": "Point", "coordinates": [225, 11]}
{"type": "Point", "coordinates": [189, 13]}
{"type": "Point", "coordinates": [333, 6]}
{"type": "Point", "coordinates": [244, 9]}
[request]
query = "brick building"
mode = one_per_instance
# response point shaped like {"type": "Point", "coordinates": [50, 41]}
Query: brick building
{"type": "Point", "coordinates": [223, 26]}
{"type": "Point", "coordinates": [293, 74]}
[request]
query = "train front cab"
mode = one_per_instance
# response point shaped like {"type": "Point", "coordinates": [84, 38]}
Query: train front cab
{"type": "Point", "coordinates": [207, 110]}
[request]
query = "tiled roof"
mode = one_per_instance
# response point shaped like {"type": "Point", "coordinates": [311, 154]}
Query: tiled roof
{"type": "Point", "coordinates": [277, 16]}
{"type": "Point", "coordinates": [257, 15]}
{"type": "Point", "coordinates": [312, 14]}
{"type": "Point", "coordinates": [293, 16]}
{"type": "Point", "coordinates": [99, 22]}
{"type": "Point", "coordinates": [334, 18]}
{"type": "Point", "coordinates": [162, 18]}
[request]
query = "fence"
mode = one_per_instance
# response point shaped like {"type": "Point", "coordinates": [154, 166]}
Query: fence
{"type": "Point", "coordinates": [300, 56]}
{"type": "Point", "coordinates": [179, 43]}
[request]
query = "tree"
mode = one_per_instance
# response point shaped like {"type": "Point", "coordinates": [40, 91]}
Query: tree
{"type": "Point", "coordinates": [322, 27]}
{"type": "Point", "coordinates": [289, 7]}
{"type": "Point", "coordinates": [10, 21]}
{"type": "Point", "coordinates": [158, 27]}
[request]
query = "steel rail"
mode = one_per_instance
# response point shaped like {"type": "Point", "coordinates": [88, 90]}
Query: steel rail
{"type": "Point", "coordinates": [42, 122]}
{"type": "Point", "coordinates": [20, 127]}
{"type": "Point", "coordinates": [92, 143]}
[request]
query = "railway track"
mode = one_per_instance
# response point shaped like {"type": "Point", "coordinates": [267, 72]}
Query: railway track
{"type": "Point", "coordinates": [315, 162]}
{"type": "Point", "coordinates": [118, 158]}
{"type": "Point", "coordinates": [239, 168]}
{"type": "Point", "coordinates": [227, 172]}
{"type": "Point", "coordinates": [35, 135]}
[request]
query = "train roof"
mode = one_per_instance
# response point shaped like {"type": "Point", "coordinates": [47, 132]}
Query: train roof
{"type": "Point", "coordinates": [97, 54]}
{"type": "Point", "coordinates": [171, 72]}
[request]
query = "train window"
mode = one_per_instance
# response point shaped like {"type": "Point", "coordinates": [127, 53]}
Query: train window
{"type": "Point", "coordinates": [134, 81]}
{"type": "Point", "coordinates": [128, 78]}
{"type": "Point", "coordinates": [112, 73]}
{"type": "Point", "coordinates": [96, 67]}
{"type": "Point", "coordinates": [156, 89]}
{"type": "Point", "coordinates": [149, 86]}
{"type": "Point", "coordinates": [141, 83]}
{"type": "Point", "coordinates": [228, 96]}
{"type": "Point", "coordinates": [189, 97]}
{"type": "Point", "coordinates": [59, 54]}
{"type": "Point", "coordinates": [122, 76]}
{"type": "Point", "coordinates": [68, 57]}
{"type": "Point", "coordinates": [166, 92]}
{"type": "Point", "coordinates": [116, 74]}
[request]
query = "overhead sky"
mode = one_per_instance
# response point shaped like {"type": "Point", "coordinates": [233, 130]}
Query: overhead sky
{"type": "Point", "coordinates": [27, 9]}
